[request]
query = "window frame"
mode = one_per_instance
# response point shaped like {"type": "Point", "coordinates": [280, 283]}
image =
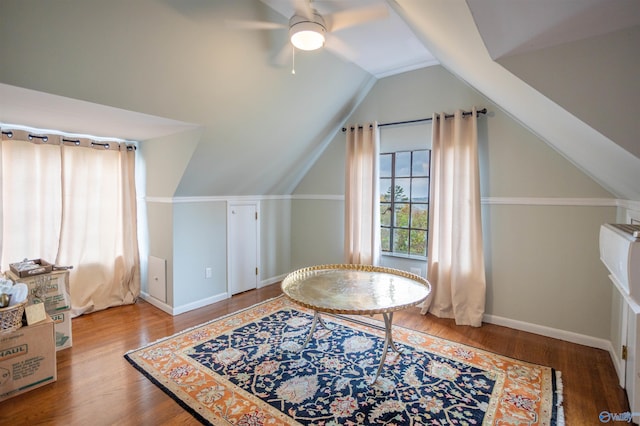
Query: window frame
{"type": "Point", "coordinates": [392, 227]}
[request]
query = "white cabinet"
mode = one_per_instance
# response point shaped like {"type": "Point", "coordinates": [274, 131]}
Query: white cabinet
{"type": "Point", "coordinates": [620, 252]}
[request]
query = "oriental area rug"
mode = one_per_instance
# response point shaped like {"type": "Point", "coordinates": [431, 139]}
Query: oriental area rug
{"type": "Point", "coordinates": [249, 368]}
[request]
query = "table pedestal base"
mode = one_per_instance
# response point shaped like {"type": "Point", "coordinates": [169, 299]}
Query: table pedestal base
{"type": "Point", "coordinates": [388, 337]}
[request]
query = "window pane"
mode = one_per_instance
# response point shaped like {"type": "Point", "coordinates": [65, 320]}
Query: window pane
{"type": "Point", "coordinates": [419, 216]}
{"type": "Point", "coordinates": [385, 214]}
{"type": "Point", "coordinates": [404, 201]}
{"type": "Point", "coordinates": [385, 242]}
{"type": "Point", "coordinates": [385, 189]}
{"type": "Point", "coordinates": [402, 189]}
{"type": "Point", "coordinates": [401, 241]}
{"type": "Point", "coordinates": [385, 165]}
{"type": "Point", "coordinates": [401, 217]}
{"type": "Point", "coordinates": [420, 166]}
{"type": "Point", "coordinates": [418, 243]}
{"type": "Point", "coordinates": [403, 163]}
{"type": "Point", "coordinates": [420, 190]}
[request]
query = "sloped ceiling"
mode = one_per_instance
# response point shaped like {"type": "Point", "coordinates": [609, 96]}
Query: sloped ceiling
{"type": "Point", "coordinates": [178, 61]}
{"type": "Point", "coordinates": [153, 68]}
{"type": "Point", "coordinates": [511, 27]}
{"type": "Point", "coordinates": [449, 31]}
{"type": "Point", "coordinates": [52, 112]}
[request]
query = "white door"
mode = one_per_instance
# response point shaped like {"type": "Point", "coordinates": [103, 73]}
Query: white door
{"type": "Point", "coordinates": [242, 245]}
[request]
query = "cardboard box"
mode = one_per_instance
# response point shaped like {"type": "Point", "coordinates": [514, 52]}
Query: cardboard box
{"type": "Point", "coordinates": [52, 289]}
{"type": "Point", "coordinates": [27, 359]}
{"type": "Point", "coordinates": [41, 267]}
{"type": "Point", "coordinates": [62, 321]}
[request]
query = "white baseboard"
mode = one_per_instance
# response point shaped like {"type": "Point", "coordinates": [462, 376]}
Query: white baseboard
{"type": "Point", "coordinates": [200, 303]}
{"type": "Point", "coordinates": [203, 302]}
{"type": "Point", "coordinates": [186, 307]}
{"type": "Point", "coordinates": [155, 302]}
{"type": "Point", "coordinates": [569, 336]}
{"type": "Point", "coordinates": [271, 280]}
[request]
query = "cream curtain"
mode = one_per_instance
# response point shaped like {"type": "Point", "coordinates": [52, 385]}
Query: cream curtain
{"type": "Point", "coordinates": [455, 266]}
{"type": "Point", "coordinates": [29, 182]}
{"type": "Point", "coordinates": [72, 201]}
{"type": "Point", "coordinates": [362, 199]}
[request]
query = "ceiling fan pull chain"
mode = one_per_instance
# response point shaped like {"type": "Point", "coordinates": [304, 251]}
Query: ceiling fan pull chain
{"type": "Point", "coordinates": [293, 60]}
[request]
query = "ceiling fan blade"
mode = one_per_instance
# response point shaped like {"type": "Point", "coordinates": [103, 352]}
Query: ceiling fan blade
{"type": "Point", "coordinates": [252, 25]}
{"type": "Point", "coordinates": [303, 8]}
{"type": "Point", "coordinates": [351, 17]}
{"type": "Point", "coordinates": [339, 47]}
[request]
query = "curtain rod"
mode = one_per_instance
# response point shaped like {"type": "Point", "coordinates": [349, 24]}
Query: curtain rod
{"type": "Point", "coordinates": [420, 120]}
{"type": "Point", "coordinates": [45, 138]}
{"type": "Point", "coordinates": [8, 129]}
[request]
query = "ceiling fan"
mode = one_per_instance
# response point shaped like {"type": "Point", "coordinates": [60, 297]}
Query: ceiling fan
{"type": "Point", "coordinates": [310, 30]}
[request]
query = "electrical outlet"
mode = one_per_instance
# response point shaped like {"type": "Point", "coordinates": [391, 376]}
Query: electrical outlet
{"type": "Point", "coordinates": [207, 272]}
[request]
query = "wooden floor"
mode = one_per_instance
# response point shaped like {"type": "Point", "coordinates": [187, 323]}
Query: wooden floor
{"type": "Point", "coordinates": [97, 386]}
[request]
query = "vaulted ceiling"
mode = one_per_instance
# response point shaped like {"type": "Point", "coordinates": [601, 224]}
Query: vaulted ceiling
{"type": "Point", "coordinates": [449, 31]}
{"type": "Point", "coordinates": [172, 72]}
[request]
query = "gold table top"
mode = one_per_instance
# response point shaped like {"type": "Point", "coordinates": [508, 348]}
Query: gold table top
{"type": "Point", "coordinates": [355, 289]}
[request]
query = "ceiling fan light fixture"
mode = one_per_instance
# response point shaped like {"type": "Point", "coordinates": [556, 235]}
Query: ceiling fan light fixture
{"type": "Point", "coordinates": [305, 34]}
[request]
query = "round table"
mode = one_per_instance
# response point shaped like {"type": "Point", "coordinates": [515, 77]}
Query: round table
{"type": "Point", "coordinates": [351, 289]}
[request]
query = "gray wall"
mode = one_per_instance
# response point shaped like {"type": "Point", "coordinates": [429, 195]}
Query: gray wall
{"type": "Point", "coordinates": [191, 234]}
{"type": "Point", "coordinates": [275, 238]}
{"type": "Point", "coordinates": [199, 242]}
{"type": "Point", "coordinates": [542, 260]}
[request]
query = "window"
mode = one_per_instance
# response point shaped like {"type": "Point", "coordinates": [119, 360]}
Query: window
{"type": "Point", "coordinates": [404, 202]}
{"type": "Point", "coordinates": [72, 200]}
